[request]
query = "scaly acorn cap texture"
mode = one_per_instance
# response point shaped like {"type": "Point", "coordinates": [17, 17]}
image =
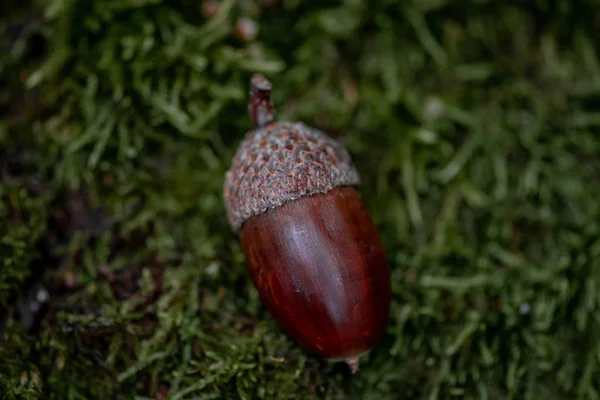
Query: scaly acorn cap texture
{"type": "Point", "coordinates": [279, 162]}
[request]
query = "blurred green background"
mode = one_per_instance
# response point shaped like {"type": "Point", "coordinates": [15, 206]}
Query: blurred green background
{"type": "Point", "coordinates": [474, 125]}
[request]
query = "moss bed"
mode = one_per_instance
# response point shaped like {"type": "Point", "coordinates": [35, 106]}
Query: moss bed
{"type": "Point", "coordinates": [474, 125]}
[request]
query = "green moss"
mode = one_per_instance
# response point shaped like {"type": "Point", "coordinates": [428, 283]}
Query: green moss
{"type": "Point", "coordinates": [23, 223]}
{"type": "Point", "coordinates": [474, 126]}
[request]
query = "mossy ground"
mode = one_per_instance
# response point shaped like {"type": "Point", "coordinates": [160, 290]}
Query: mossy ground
{"type": "Point", "coordinates": [474, 125]}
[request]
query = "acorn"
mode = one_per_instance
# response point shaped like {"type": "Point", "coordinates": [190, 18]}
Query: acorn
{"type": "Point", "coordinates": [311, 248]}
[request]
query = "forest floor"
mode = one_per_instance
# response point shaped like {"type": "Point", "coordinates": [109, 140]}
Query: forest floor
{"type": "Point", "coordinates": [474, 125]}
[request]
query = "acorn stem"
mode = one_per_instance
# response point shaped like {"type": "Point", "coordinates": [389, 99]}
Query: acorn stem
{"type": "Point", "coordinates": [259, 104]}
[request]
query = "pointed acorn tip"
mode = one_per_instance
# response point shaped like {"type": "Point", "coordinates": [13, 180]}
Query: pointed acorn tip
{"type": "Point", "coordinates": [353, 364]}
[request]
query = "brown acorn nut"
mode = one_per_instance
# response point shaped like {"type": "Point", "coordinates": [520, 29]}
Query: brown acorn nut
{"type": "Point", "coordinates": [310, 245]}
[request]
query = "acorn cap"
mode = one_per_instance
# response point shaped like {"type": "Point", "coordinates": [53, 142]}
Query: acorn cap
{"type": "Point", "coordinates": [279, 162]}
